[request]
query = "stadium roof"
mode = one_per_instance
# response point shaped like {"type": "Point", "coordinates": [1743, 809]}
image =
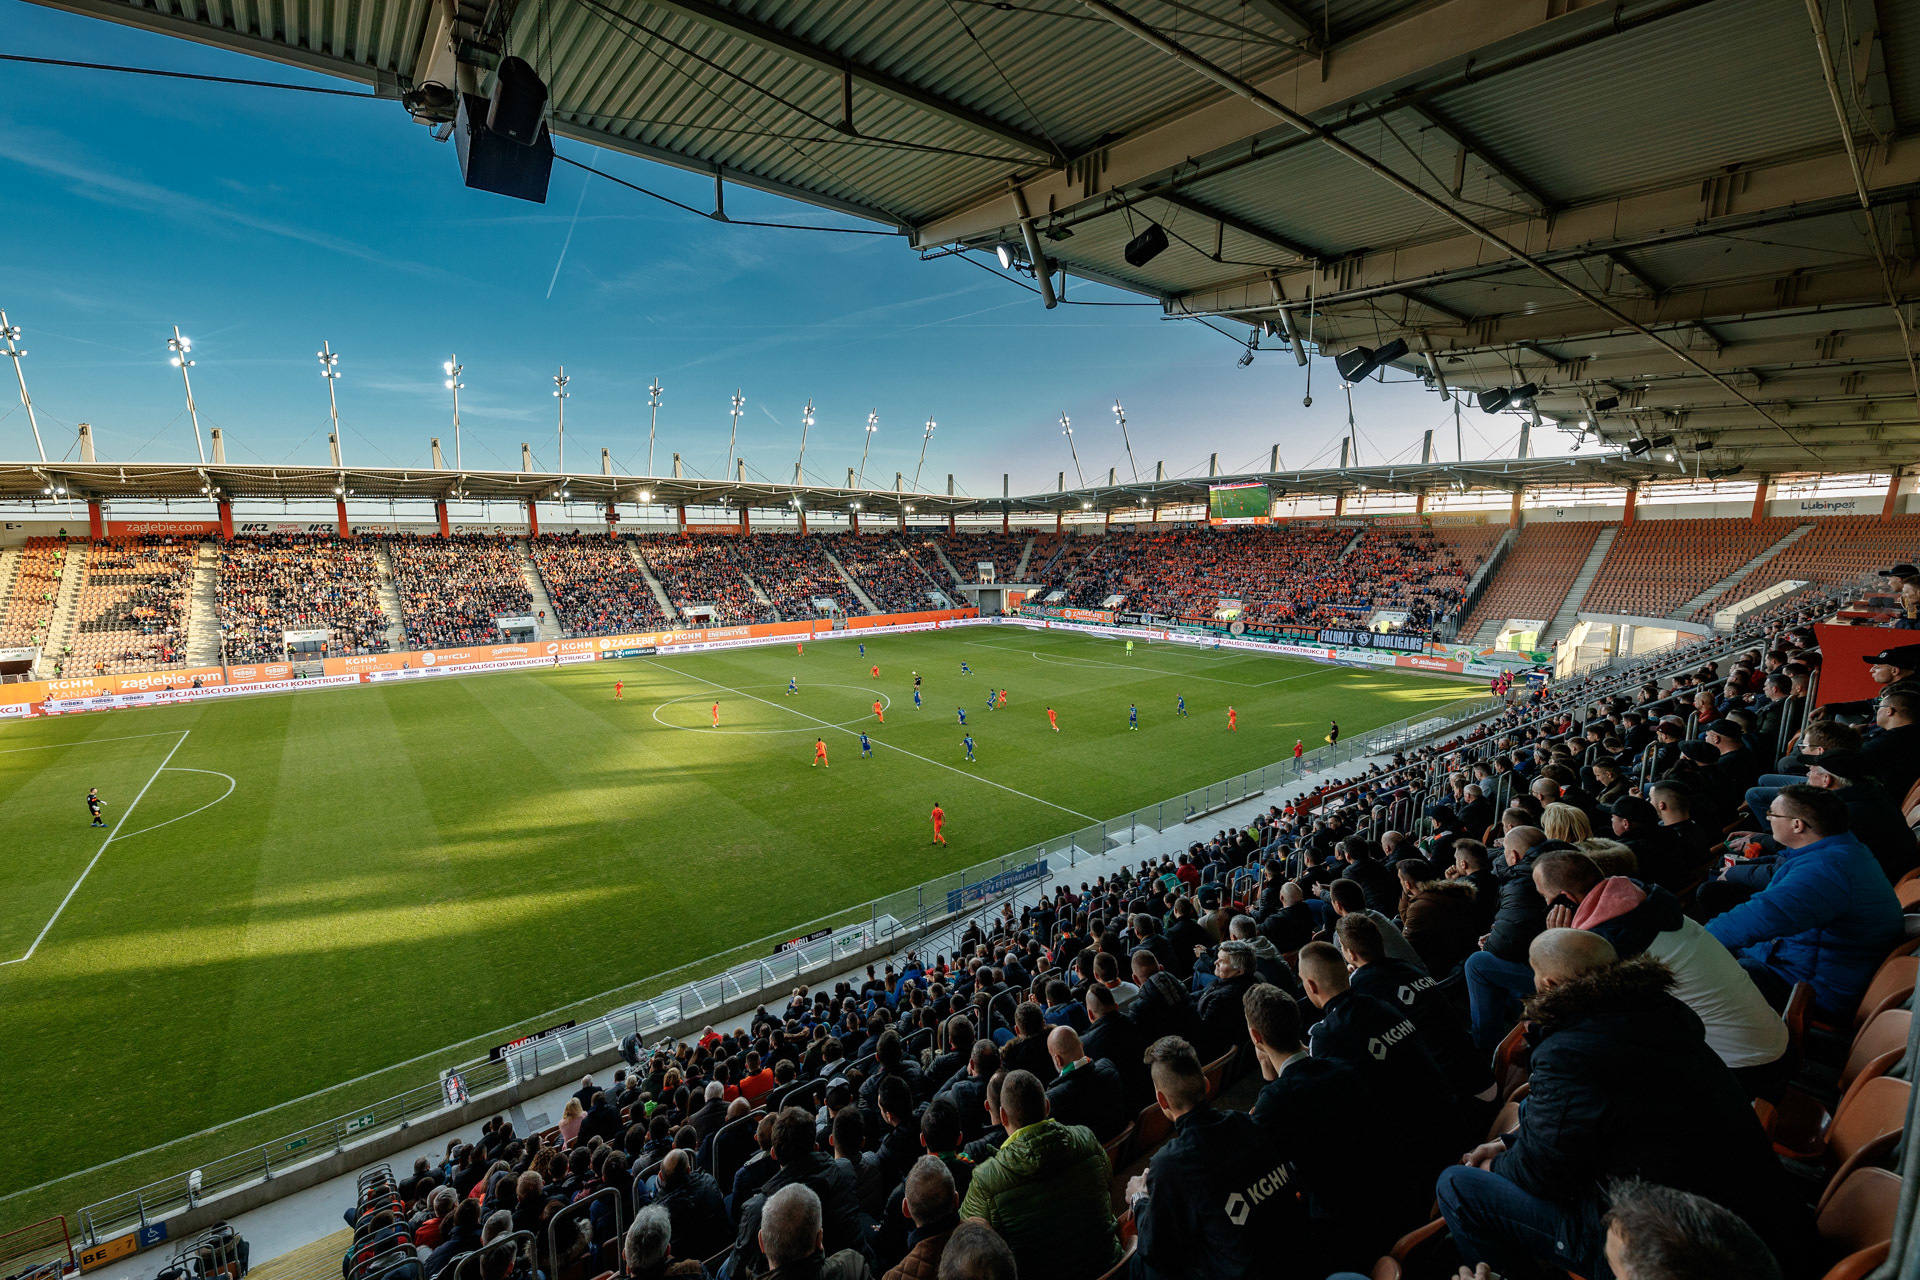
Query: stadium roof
{"type": "Point", "coordinates": [1651, 209]}
{"type": "Point", "coordinates": [31, 482]}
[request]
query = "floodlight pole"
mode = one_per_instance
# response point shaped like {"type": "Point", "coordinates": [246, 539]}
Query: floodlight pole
{"type": "Point", "coordinates": [330, 370]}
{"type": "Point", "coordinates": [453, 367]}
{"type": "Point", "coordinates": [653, 422]}
{"type": "Point", "coordinates": [873, 425]}
{"type": "Point", "coordinates": [182, 360]}
{"type": "Point", "coordinates": [11, 333]}
{"type": "Point", "coordinates": [739, 403]}
{"type": "Point", "coordinates": [1066, 426]}
{"type": "Point", "coordinates": [560, 381]}
{"type": "Point", "coordinates": [926, 436]}
{"type": "Point", "coordinates": [1121, 414]}
{"type": "Point", "coordinates": [806, 422]}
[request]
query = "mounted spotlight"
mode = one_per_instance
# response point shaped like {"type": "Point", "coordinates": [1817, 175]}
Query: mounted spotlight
{"type": "Point", "coordinates": [1146, 246]}
{"type": "Point", "coordinates": [1661, 442]}
{"type": "Point", "coordinates": [1494, 399]}
{"type": "Point", "coordinates": [1008, 254]}
{"type": "Point", "coordinates": [1606, 404]}
{"type": "Point", "coordinates": [1246, 357]}
{"type": "Point", "coordinates": [1721, 473]}
{"type": "Point", "coordinates": [1359, 362]}
{"type": "Point", "coordinates": [1637, 446]}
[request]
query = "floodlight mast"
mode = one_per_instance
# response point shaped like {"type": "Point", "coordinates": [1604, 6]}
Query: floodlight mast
{"type": "Point", "coordinates": [653, 420]}
{"type": "Point", "coordinates": [452, 368]}
{"type": "Point", "coordinates": [330, 370]}
{"type": "Point", "coordinates": [1121, 414]}
{"type": "Point", "coordinates": [739, 403]}
{"type": "Point", "coordinates": [182, 360]}
{"type": "Point", "coordinates": [11, 333]}
{"type": "Point", "coordinates": [925, 436]}
{"type": "Point", "coordinates": [1066, 427]}
{"type": "Point", "coordinates": [873, 425]}
{"type": "Point", "coordinates": [560, 381]}
{"type": "Point", "coordinates": [806, 422]}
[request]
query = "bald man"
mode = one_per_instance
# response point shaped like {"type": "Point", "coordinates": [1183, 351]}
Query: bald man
{"type": "Point", "coordinates": [1088, 1091]}
{"type": "Point", "coordinates": [1623, 1085]}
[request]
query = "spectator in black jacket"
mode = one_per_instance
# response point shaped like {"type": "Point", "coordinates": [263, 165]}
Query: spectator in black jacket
{"type": "Point", "coordinates": [1655, 1231]}
{"type": "Point", "coordinates": [968, 1089]}
{"type": "Point", "coordinates": [1223, 1019]}
{"type": "Point", "coordinates": [1623, 1084]}
{"type": "Point", "coordinates": [1472, 864]}
{"type": "Point", "coordinates": [601, 1121]}
{"type": "Point", "coordinates": [1324, 1121]}
{"type": "Point", "coordinates": [1185, 934]}
{"type": "Point", "coordinates": [800, 1164]}
{"type": "Point", "coordinates": [1418, 996]}
{"type": "Point", "coordinates": [1382, 1044]}
{"type": "Point", "coordinates": [1215, 1197]}
{"type": "Point", "coordinates": [1893, 754]}
{"type": "Point", "coordinates": [1027, 1051]}
{"type": "Point", "coordinates": [1087, 1091]}
{"type": "Point", "coordinates": [1381, 886]}
{"type": "Point", "coordinates": [960, 1038]}
{"type": "Point", "coordinates": [693, 1201]}
{"type": "Point", "coordinates": [463, 1238]}
{"type": "Point", "coordinates": [1498, 978]}
{"type": "Point", "coordinates": [1114, 1038]}
{"type": "Point", "coordinates": [754, 1173]}
{"type": "Point", "coordinates": [1289, 926]}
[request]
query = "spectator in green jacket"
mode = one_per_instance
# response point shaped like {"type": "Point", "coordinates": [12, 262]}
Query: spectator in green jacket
{"type": "Point", "coordinates": [1046, 1191]}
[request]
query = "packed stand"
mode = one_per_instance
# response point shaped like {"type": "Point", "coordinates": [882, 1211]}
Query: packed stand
{"type": "Point", "coordinates": [594, 584]}
{"type": "Point", "coordinates": [273, 583]}
{"type": "Point", "coordinates": [886, 569]}
{"type": "Point", "coordinates": [132, 606]}
{"type": "Point", "coordinates": [704, 570]}
{"type": "Point", "coordinates": [793, 571]}
{"type": "Point", "coordinates": [968, 550]}
{"type": "Point", "coordinates": [451, 589]}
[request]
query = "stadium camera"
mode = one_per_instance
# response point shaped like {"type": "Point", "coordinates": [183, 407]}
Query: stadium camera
{"type": "Point", "coordinates": [1606, 403]}
{"type": "Point", "coordinates": [1146, 246]}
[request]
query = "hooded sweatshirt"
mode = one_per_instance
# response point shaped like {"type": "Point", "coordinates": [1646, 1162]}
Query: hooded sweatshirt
{"type": "Point", "coordinates": [1641, 919]}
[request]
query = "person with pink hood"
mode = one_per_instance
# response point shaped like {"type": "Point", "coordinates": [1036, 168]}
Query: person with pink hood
{"type": "Point", "coordinates": [1640, 919]}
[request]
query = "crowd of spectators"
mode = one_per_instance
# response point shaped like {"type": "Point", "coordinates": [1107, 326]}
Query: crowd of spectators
{"type": "Point", "coordinates": [887, 569]}
{"type": "Point", "coordinates": [794, 572]}
{"type": "Point", "coordinates": [451, 589]}
{"type": "Point", "coordinates": [274, 583]}
{"type": "Point", "coordinates": [705, 570]}
{"type": "Point", "coordinates": [968, 549]}
{"type": "Point", "coordinates": [1297, 575]}
{"type": "Point", "coordinates": [595, 586]}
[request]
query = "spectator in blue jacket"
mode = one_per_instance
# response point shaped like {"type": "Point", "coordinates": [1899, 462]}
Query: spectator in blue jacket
{"type": "Point", "coordinates": [1828, 916]}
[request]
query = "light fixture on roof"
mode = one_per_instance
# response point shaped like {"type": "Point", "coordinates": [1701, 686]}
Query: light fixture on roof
{"type": "Point", "coordinates": [1636, 446]}
{"type": "Point", "coordinates": [1146, 246]}
{"type": "Point", "coordinates": [1606, 404]}
{"type": "Point", "coordinates": [1660, 442]}
{"type": "Point", "coordinates": [10, 334]}
{"type": "Point", "coordinates": [646, 495]}
{"type": "Point", "coordinates": [1360, 362]}
{"type": "Point", "coordinates": [1246, 357]}
{"type": "Point", "coordinates": [182, 359]}
{"type": "Point", "coordinates": [454, 385]}
{"type": "Point", "coordinates": [1009, 255]}
{"type": "Point", "coordinates": [1495, 399]}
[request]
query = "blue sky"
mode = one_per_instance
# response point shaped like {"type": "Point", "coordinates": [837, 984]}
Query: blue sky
{"type": "Point", "coordinates": [264, 222]}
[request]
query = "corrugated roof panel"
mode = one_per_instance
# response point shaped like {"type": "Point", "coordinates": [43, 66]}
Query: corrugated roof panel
{"type": "Point", "coordinates": [1722, 84]}
{"type": "Point", "coordinates": [1815, 245]}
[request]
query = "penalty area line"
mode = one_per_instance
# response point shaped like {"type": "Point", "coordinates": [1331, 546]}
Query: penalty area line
{"type": "Point", "coordinates": [111, 835]}
{"type": "Point", "coordinates": [715, 684]}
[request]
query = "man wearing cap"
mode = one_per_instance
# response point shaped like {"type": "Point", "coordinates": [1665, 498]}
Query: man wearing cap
{"type": "Point", "coordinates": [1893, 751]}
{"type": "Point", "coordinates": [1892, 668]}
{"type": "Point", "coordinates": [1636, 824]}
{"type": "Point", "coordinates": [1737, 768]}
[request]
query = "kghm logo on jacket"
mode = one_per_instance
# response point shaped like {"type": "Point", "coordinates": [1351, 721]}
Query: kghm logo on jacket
{"type": "Point", "coordinates": [1408, 990]}
{"type": "Point", "coordinates": [1381, 1044]}
{"type": "Point", "coordinates": [1240, 1203]}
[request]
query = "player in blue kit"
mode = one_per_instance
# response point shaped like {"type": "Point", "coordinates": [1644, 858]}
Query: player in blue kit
{"type": "Point", "coordinates": [962, 713]}
{"type": "Point", "coordinates": [1182, 703]}
{"type": "Point", "coordinates": [968, 742]}
{"type": "Point", "coordinates": [1133, 718]}
{"type": "Point", "coordinates": [916, 698]}
{"type": "Point", "coordinates": [866, 745]}
{"type": "Point", "coordinates": [793, 685]}
{"type": "Point", "coordinates": [965, 670]}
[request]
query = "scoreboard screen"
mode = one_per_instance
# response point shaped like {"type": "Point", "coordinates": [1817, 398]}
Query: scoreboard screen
{"type": "Point", "coordinates": [1244, 503]}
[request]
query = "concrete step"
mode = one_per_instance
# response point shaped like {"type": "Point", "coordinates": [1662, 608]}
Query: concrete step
{"type": "Point", "coordinates": [1569, 611]}
{"type": "Point", "coordinates": [203, 609]}
{"type": "Point", "coordinates": [866, 601]}
{"type": "Point", "coordinates": [1712, 593]}
{"type": "Point", "coordinates": [60, 628]}
{"type": "Point", "coordinates": [653, 583]}
{"type": "Point", "coordinates": [1026, 553]}
{"type": "Point", "coordinates": [389, 596]}
{"type": "Point", "coordinates": [946, 560]}
{"type": "Point", "coordinates": [1489, 631]}
{"type": "Point", "coordinates": [549, 628]}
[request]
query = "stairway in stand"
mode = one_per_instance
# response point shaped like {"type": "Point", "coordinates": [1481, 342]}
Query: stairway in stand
{"type": "Point", "coordinates": [389, 596]}
{"type": "Point", "coordinates": [61, 627]}
{"type": "Point", "coordinates": [203, 608]}
{"type": "Point", "coordinates": [653, 583]}
{"type": "Point", "coordinates": [542, 605]}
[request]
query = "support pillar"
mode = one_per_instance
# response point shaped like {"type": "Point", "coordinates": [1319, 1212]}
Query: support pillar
{"type": "Point", "coordinates": [902, 515]}
{"type": "Point", "coordinates": [682, 508]}
{"type": "Point", "coordinates": [853, 517]}
{"type": "Point", "coordinates": [1339, 505]}
{"type": "Point", "coordinates": [950, 528]}
{"type": "Point", "coordinates": [1420, 503]}
{"type": "Point", "coordinates": [746, 522]}
{"type": "Point", "coordinates": [226, 519]}
{"type": "Point", "coordinates": [1058, 519]}
{"type": "Point", "coordinates": [803, 520]}
{"type": "Point", "coordinates": [533, 518]}
{"type": "Point", "coordinates": [1892, 503]}
{"type": "Point", "coordinates": [1761, 492]}
{"type": "Point", "coordinates": [440, 510]}
{"type": "Point", "coordinates": [97, 524]}
{"type": "Point", "coordinates": [1003, 521]}
{"type": "Point", "coordinates": [340, 506]}
{"type": "Point", "coordinates": [1633, 500]}
{"type": "Point", "coordinates": [1109, 522]}
{"type": "Point", "coordinates": [1513, 517]}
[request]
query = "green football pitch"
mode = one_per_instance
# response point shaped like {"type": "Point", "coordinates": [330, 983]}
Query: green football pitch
{"type": "Point", "coordinates": [297, 890]}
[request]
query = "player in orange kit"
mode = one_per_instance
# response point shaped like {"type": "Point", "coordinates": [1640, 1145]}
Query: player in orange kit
{"type": "Point", "coordinates": [876, 671]}
{"type": "Point", "coordinates": [880, 712]}
{"type": "Point", "coordinates": [800, 648]}
{"type": "Point", "coordinates": [939, 817]}
{"type": "Point", "coordinates": [1053, 720]}
{"type": "Point", "coordinates": [618, 686]}
{"type": "Point", "coordinates": [1233, 720]}
{"type": "Point", "coordinates": [716, 713]}
{"type": "Point", "coordinates": [820, 752]}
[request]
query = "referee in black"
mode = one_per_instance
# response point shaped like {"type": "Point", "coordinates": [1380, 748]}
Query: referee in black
{"type": "Point", "coordinates": [93, 806]}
